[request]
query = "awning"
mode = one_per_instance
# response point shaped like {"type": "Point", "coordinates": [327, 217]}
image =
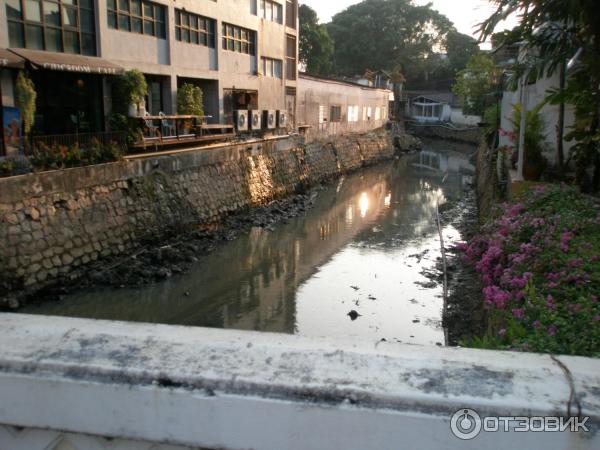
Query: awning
{"type": "Point", "coordinates": [68, 62]}
{"type": "Point", "coordinates": [9, 59]}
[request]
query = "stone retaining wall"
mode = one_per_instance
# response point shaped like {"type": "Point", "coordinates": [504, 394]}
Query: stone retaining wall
{"type": "Point", "coordinates": [54, 222]}
{"type": "Point", "coordinates": [468, 135]}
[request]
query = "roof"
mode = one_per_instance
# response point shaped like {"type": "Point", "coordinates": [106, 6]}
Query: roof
{"type": "Point", "coordinates": [9, 59]}
{"type": "Point", "coordinates": [334, 80]}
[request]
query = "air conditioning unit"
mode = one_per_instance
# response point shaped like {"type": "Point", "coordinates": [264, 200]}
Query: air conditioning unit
{"type": "Point", "coordinates": [282, 119]}
{"type": "Point", "coordinates": [269, 119]}
{"type": "Point", "coordinates": [255, 120]}
{"type": "Point", "coordinates": [241, 120]}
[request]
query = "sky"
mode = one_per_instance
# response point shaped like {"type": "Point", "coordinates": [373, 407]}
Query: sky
{"type": "Point", "coordinates": [465, 14]}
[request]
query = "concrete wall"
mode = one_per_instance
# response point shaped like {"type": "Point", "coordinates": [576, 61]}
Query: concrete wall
{"type": "Point", "coordinates": [314, 93]}
{"type": "Point", "coordinates": [172, 59]}
{"type": "Point", "coordinates": [73, 384]}
{"type": "Point", "coordinates": [457, 117]}
{"type": "Point", "coordinates": [56, 222]}
{"type": "Point", "coordinates": [470, 135]}
{"type": "Point", "coordinates": [535, 95]}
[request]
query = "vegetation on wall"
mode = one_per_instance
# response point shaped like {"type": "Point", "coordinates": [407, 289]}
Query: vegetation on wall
{"type": "Point", "coordinates": [190, 100]}
{"type": "Point", "coordinates": [130, 88]}
{"type": "Point", "coordinates": [535, 140]}
{"type": "Point", "coordinates": [25, 97]}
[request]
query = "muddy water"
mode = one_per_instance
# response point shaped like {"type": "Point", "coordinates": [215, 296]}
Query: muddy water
{"type": "Point", "coordinates": [366, 247]}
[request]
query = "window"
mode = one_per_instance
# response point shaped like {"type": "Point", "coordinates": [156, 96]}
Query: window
{"type": "Point", "coordinates": [194, 29]}
{"type": "Point", "coordinates": [290, 58]}
{"type": "Point", "coordinates": [272, 67]}
{"type": "Point", "coordinates": [369, 113]}
{"type": "Point", "coordinates": [54, 25]}
{"type": "Point", "coordinates": [137, 16]}
{"type": "Point", "coordinates": [270, 10]}
{"type": "Point", "coordinates": [322, 117]}
{"type": "Point", "coordinates": [378, 113]}
{"type": "Point", "coordinates": [336, 113]}
{"type": "Point", "coordinates": [237, 39]}
{"type": "Point", "coordinates": [291, 6]}
{"type": "Point", "coordinates": [352, 113]}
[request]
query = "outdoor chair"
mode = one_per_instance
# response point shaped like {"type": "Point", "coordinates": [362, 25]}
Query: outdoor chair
{"type": "Point", "coordinates": [152, 129]}
{"type": "Point", "coordinates": [167, 126]}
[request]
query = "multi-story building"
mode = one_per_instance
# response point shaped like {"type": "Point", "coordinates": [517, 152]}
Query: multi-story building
{"type": "Point", "coordinates": [242, 53]}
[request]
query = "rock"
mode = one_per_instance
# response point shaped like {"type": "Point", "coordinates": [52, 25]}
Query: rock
{"type": "Point", "coordinates": [32, 213]}
{"type": "Point", "coordinates": [353, 315]}
{"type": "Point", "coordinates": [407, 143]}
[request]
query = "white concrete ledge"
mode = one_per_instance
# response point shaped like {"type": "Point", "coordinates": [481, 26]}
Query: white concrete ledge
{"type": "Point", "coordinates": [238, 390]}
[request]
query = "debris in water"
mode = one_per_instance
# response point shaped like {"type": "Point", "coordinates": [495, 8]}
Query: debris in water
{"type": "Point", "coordinates": [416, 321]}
{"type": "Point", "coordinates": [414, 301]}
{"type": "Point", "coordinates": [356, 288]}
{"type": "Point", "coordinates": [371, 297]}
{"type": "Point", "coordinates": [357, 302]}
{"type": "Point", "coordinates": [439, 344]}
{"type": "Point", "coordinates": [186, 293]}
{"type": "Point", "coordinates": [354, 315]}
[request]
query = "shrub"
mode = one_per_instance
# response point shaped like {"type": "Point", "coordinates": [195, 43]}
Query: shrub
{"type": "Point", "coordinates": [7, 167]}
{"type": "Point", "coordinates": [539, 260]}
{"type": "Point", "coordinates": [189, 100]}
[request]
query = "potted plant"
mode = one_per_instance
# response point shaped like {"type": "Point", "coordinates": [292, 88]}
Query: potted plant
{"type": "Point", "coordinates": [129, 92]}
{"type": "Point", "coordinates": [189, 102]}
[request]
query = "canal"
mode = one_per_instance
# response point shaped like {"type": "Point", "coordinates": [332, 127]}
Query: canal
{"type": "Point", "coordinates": [363, 252]}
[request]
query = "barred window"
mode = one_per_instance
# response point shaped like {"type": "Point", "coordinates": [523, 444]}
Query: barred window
{"type": "Point", "coordinates": [272, 67]}
{"type": "Point", "coordinates": [54, 25]}
{"type": "Point", "coordinates": [238, 39]}
{"type": "Point", "coordinates": [194, 29]}
{"type": "Point", "coordinates": [336, 114]}
{"type": "Point", "coordinates": [137, 16]}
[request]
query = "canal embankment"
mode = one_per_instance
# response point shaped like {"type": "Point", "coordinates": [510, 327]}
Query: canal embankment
{"type": "Point", "coordinates": [57, 224]}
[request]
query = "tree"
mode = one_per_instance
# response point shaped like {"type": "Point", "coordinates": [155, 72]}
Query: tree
{"type": "Point", "coordinates": [25, 97]}
{"type": "Point", "coordinates": [384, 34]}
{"type": "Point", "coordinates": [460, 48]}
{"type": "Point", "coordinates": [316, 45]}
{"type": "Point", "coordinates": [556, 31]}
{"type": "Point", "coordinates": [189, 100]}
{"type": "Point", "coordinates": [476, 82]}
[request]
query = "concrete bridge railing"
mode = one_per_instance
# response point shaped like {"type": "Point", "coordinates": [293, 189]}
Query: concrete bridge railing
{"type": "Point", "coordinates": [74, 384]}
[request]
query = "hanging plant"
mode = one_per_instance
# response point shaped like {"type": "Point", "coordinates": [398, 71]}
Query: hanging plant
{"type": "Point", "coordinates": [25, 97]}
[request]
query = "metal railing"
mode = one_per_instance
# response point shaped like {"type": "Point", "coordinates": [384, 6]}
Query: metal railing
{"type": "Point", "coordinates": [83, 140]}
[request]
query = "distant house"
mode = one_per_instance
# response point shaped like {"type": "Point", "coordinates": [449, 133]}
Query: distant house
{"type": "Point", "coordinates": [428, 106]}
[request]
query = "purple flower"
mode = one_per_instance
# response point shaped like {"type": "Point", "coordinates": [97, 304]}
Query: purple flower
{"type": "Point", "coordinates": [519, 313]}
{"type": "Point", "coordinates": [502, 332]}
{"type": "Point", "coordinates": [551, 330]}
{"type": "Point", "coordinates": [537, 324]}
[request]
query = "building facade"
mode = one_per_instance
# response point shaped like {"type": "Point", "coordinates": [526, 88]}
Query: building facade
{"type": "Point", "coordinates": [328, 107]}
{"type": "Point", "coordinates": [242, 53]}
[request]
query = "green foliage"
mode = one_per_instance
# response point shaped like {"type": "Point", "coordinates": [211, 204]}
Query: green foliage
{"type": "Point", "coordinates": [383, 34]}
{"type": "Point", "coordinates": [491, 119]}
{"type": "Point", "coordinates": [7, 166]}
{"type": "Point", "coordinates": [25, 97]}
{"type": "Point", "coordinates": [535, 138]}
{"type": "Point", "coordinates": [540, 262]}
{"type": "Point", "coordinates": [189, 100]}
{"type": "Point", "coordinates": [460, 48]}
{"type": "Point", "coordinates": [555, 31]}
{"type": "Point", "coordinates": [316, 45]}
{"type": "Point", "coordinates": [55, 156]}
{"type": "Point", "coordinates": [476, 83]}
{"type": "Point", "coordinates": [127, 89]}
